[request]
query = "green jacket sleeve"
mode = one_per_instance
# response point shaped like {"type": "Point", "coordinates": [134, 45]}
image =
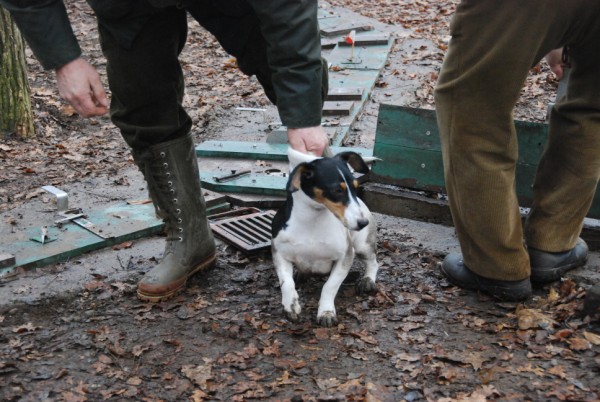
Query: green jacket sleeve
{"type": "Point", "coordinates": [291, 30]}
{"type": "Point", "coordinates": [46, 28]}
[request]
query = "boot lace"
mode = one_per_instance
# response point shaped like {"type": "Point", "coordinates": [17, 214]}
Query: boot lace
{"type": "Point", "coordinates": [159, 172]}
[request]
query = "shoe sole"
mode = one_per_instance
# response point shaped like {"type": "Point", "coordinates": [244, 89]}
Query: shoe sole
{"type": "Point", "coordinates": [153, 298]}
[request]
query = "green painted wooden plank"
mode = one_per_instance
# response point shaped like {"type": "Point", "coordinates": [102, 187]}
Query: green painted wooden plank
{"type": "Point", "coordinates": [417, 128]}
{"type": "Point", "coordinates": [407, 141]}
{"type": "Point", "coordinates": [400, 126]}
{"type": "Point", "coordinates": [363, 58]}
{"type": "Point", "coordinates": [122, 222]}
{"type": "Point", "coordinates": [260, 150]}
{"type": "Point", "coordinates": [364, 79]}
{"type": "Point", "coordinates": [253, 183]}
{"type": "Point", "coordinates": [419, 169]}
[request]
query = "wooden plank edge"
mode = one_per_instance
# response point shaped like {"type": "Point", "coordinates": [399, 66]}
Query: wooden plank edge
{"type": "Point", "coordinates": [403, 203]}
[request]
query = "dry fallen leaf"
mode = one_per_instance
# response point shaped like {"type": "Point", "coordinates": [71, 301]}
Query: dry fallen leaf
{"type": "Point", "coordinates": [199, 375]}
{"type": "Point", "coordinates": [579, 344]}
{"type": "Point", "coordinates": [29, 327]}
{"type": "Point", "coordinates": [134, 381]}
{"type": "Point", "coordinates": [534, 318]}
{"type": "Point", "coordinates": [594, 339]}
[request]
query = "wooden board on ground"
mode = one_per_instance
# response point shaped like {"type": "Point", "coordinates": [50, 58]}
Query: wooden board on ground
{"type": "Point", "coordinates": [407, 141]}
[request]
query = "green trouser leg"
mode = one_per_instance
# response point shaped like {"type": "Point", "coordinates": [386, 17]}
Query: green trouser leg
{"type": "Point", "coordinates": [146, 80]}
{"type": "Point", "coordinates": [147, 91]}
{"type": "Point", "coordinates": [493, 46]}
{"type": "Point", "coordinates": [240, 25]}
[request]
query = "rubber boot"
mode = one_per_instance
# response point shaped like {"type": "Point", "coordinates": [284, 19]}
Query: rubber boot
{"type": "Point", "coordinates": [171, 171]}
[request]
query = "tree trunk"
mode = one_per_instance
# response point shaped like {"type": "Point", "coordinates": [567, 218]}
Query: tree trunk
{"type": "Point", "coordinates": [15, 101]}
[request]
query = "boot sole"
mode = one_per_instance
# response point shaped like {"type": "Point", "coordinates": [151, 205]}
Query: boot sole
{"type": "Point", "coordinates": [154, 298]}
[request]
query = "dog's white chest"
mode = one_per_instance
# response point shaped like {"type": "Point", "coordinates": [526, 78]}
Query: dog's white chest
{"type": "Point", "coordinates": [313, 246]}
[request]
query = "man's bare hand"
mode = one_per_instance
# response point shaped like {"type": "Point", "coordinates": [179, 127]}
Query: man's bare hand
{"type": "Point", "coordinates": [312, 140]}
{"type": "Point", "coordinates": [557, 66]}
{"type": "Point", "coordinates": [79, 84]}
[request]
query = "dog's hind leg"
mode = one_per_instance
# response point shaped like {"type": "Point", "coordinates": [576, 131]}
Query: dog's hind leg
{"type": "Point", "coordinates": [289, 296]}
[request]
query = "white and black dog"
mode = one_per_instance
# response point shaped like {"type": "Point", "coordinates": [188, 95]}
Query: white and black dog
{"type": "Point", "coordinates": [320, 229]}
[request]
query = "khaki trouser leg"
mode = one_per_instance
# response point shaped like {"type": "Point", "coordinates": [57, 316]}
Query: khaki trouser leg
{"type": "Point", "coordinates": [570, 166]}
{"type": "Point", "coordinates": [494, 44]}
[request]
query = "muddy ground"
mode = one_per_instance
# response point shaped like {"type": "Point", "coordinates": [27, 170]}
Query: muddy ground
{"type": "Point", "coordinates": [76, 332]}
{"type": "Point", "coordinates": [225, 338]}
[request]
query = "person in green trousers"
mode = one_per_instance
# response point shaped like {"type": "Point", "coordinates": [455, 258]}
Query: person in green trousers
{"type": "Point", "coordinates": [277, 41]}
{"type": "Point", "coordinates": [493, 46]}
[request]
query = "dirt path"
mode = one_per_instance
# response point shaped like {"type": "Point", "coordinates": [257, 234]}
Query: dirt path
{"type": "Point", "coordinates": [225, 339]}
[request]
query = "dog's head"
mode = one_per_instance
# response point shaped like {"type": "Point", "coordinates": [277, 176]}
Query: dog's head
{"type": "Point", "coordinates": [329, 182]}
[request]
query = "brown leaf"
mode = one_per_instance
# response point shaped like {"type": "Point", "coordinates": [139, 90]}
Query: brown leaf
{"type": "Point", "coordinates": [366, 338]}
{"type": "Point", "coordinates": [327, 383]}
{"type": "Point", "coordinates": [72, 397]}
{"type": "Point", "coordinates": [479, 395]}
{"type": "Point", "coordinates": [93, 285]}
{"type": "Point", "coordinates": [29, 327]}
{"type": "Point", "coordinates": [579, 344]}
{"type": "Point", "coordinates": [407, 357]}
{"type": "Point", "coordinates": [137, 350]}
{"type": "Point", "coordinates": [68, 110]}
{"type": "Point", "coordinates": [134, 381]}
{"type": "Point", "coordinates": [321, 333]}
{"type": "Point", "coordinates": [273, 349]}
{"type": "Point", "coordinates": [558, 371]}
{"type": "Point", "coordinates": [409, 326]}
{"type": "Point", "coordinates": [475, 359]}
{"type": "Point", "coordinates": [123, 245]}
{"type": "Point", "coordinates": [534, 318]}
{"type": "Point", "coordinates": [104, 359]}
{"type": "Point", "coordinates": [199, 396]}
{"type": "Point", "coordinates": [199, 375]}
{"type": "Point", "coordinates": [594, 339]}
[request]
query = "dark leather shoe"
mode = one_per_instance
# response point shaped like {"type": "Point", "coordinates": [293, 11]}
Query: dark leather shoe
{"type": "Point", "coordinates": [457, 273]}
{"type": "Point", "coordinates": [549, 267]}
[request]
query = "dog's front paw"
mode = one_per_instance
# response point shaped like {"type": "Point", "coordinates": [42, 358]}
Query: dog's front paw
{"type": "Point", "coordinates": [366, 285]}
{"type": "Point", "coordinates": [292, 312]}
{"type": "Point", "coordinates": [327, 319]}
{"type": "Point", "coordinates": [291, 315]}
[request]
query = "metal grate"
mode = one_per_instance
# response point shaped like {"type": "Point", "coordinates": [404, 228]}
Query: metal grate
{"type": "Point", "coordinates": [249, 232]}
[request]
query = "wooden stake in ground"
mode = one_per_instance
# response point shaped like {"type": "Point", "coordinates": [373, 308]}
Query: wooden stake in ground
{"type": "Point", "coordinates": [15, 101]}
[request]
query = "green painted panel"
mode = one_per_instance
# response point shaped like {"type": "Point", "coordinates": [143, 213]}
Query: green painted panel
{"type": "Point", "coordinates": [417, 128]}
{"type": "Point", "coordinates": [253, 150]}
{"type": "Point", "coordinates": [251, 184]}
{"type": "Point", "coordinates": [120, 223]}
{"type": "Point", "coordinates": [400, 126]}
{"type": "Point", "coordinates": [364, 57]}
{"type": "Point", "coordinates": [360, 79]}
{"type": "Point", "coordinates": [419, 169]}
{"type": "Point", "coordinates": [407, 141]}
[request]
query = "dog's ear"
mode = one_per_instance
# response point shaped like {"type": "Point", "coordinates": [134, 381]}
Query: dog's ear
{"type": "Point", "coordinates": [354, 160]}
{"type": "Point", "coordinates": [296, 157]}
{"type": "Point", "coordinates": [300, 172]}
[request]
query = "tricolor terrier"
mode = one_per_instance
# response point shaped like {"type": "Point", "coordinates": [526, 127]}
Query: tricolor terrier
{"type": "Point", "coordinates": [322, 225]}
